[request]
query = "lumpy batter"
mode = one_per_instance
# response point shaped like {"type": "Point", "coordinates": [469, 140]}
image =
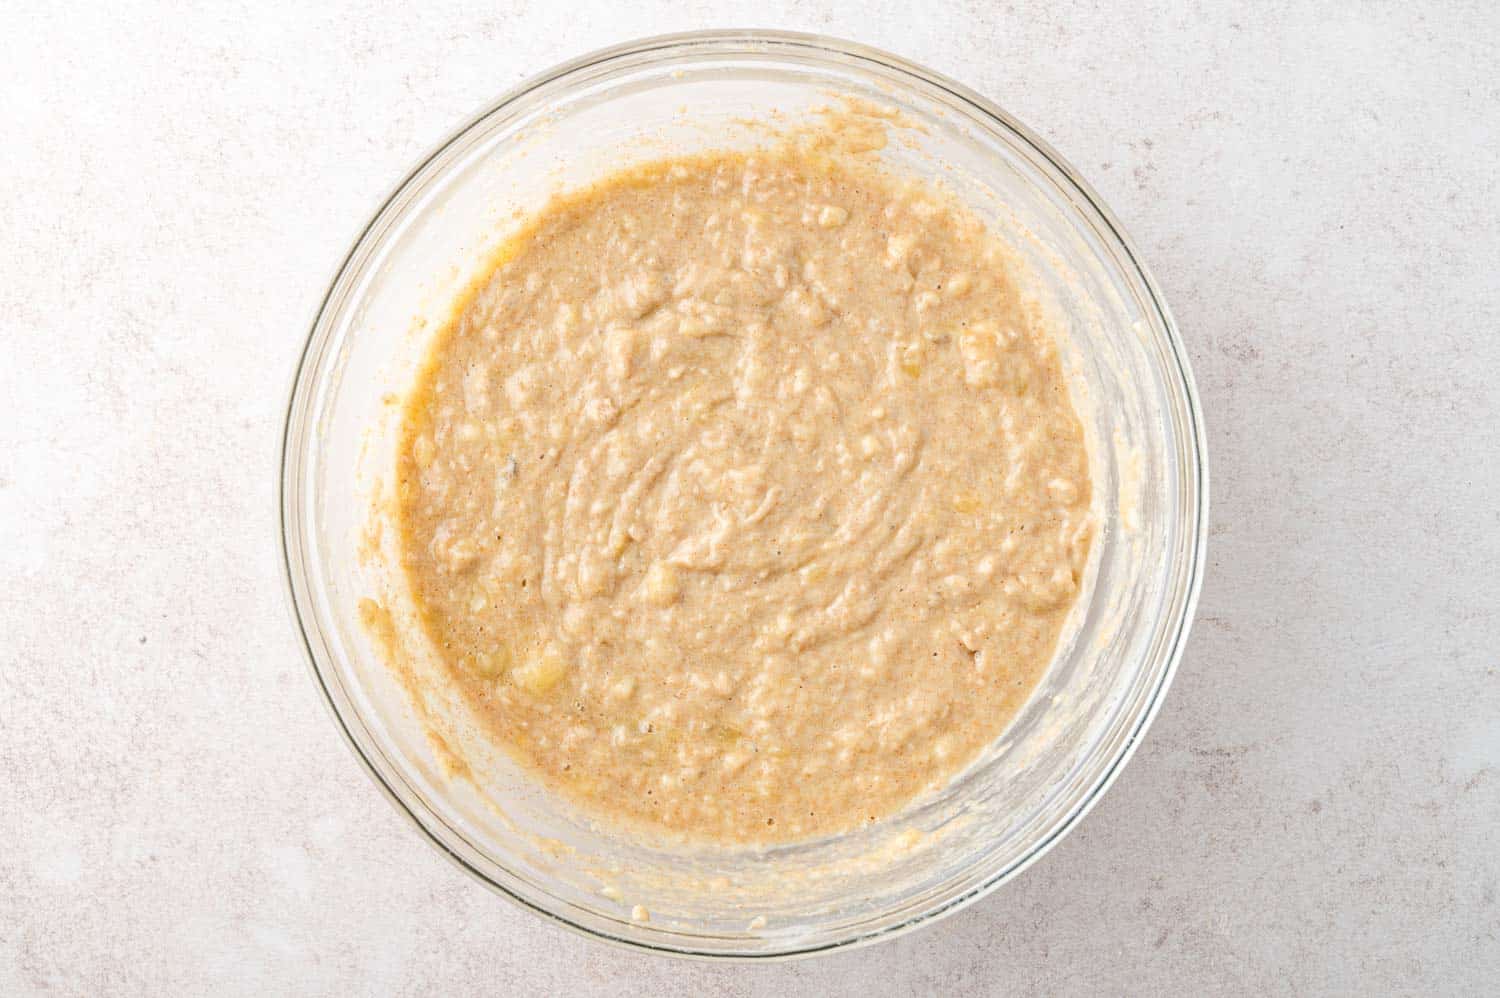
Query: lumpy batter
{"type": "Point", "coordinates": [745, 498]}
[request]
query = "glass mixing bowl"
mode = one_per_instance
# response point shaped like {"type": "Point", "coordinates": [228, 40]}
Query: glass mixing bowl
{"type": "Point", "coordinates": [1131, 385]}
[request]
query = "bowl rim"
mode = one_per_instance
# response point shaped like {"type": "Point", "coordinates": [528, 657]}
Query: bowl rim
{"type": "Point", "coordinates": [730, 42]}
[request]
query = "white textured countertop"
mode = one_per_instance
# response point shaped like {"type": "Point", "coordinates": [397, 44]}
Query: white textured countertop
{"type": "Point", "coordinates": [1315, 810]}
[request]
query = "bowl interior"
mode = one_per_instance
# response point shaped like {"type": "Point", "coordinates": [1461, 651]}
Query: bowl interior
{"type": "Point", "coordinates": [665, 97]}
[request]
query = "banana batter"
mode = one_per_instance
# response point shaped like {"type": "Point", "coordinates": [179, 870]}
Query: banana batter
{"type": "Point", "coordinates": [745, 499]}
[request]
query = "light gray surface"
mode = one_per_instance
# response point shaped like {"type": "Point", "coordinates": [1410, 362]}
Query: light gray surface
{"type": "Point", "coordinates": [1315, 187]}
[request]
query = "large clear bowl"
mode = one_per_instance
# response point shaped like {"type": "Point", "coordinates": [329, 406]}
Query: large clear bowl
{"type": "Point", "coordinates": [1131, 385]}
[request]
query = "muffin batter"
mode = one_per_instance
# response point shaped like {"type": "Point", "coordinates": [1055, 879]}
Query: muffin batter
{"type": "Point", "coordinates": [745, 499]}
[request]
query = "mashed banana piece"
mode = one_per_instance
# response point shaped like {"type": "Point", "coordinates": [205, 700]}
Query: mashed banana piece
{"type": "Point", "coordinates": [745, 498]}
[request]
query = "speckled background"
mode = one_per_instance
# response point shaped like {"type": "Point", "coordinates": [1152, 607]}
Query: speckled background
{"type": "Point", "coordinates": [1315, 186]}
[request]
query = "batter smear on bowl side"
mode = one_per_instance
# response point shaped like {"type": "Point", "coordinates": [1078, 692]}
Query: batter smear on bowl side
{"type": "Point", "coordinates": [745, 499]}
